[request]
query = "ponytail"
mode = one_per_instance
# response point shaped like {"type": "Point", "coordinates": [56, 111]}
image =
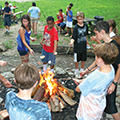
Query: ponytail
{"type": "Point", "coordinates": [115, 30]}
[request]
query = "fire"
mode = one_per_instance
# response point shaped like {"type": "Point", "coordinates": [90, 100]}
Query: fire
{"type": "Point", "coordinates": [48, 78]}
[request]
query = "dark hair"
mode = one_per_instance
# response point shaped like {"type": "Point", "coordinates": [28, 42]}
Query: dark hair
{"type": "Point", "coordinates": [112, 24]}
{"type": "Point", "coordinates": [26, 75]}
{"type": "Point", "coordinates": [28, 18]}
{"type": "Point", "coordinates": [33, 4]}
{"type": "Point", "coordinates": [102, 25]}
{"type": "Point", "coordinates": [107, 51]}
{"type": "Point", "coordinates": [60, 10]}
{"type": "Point", "coordinates": [6, 3]}
{"type": "Point", "coordinates": [50, 18]}
{"type": "Point", "coordinates": [71, 4]}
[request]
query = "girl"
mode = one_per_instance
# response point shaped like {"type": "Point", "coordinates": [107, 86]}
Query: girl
{"type": "Point", "coordinates": [23, 39]}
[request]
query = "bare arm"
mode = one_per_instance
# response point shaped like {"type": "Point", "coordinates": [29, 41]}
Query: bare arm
{"type": "Point", "coordinates": [71, 42]}
{"type": "Point", "coordinates": [55, 47]}
{"type": "Point", "coordinates": [77, 89]}
{"type": "Point", "coordinates": [3, 63]}
{"type": "Point", "coordinates": [42, 41]}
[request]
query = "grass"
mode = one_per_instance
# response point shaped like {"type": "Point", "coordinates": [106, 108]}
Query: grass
{"type": "Point", "coordinates": [109, 9]}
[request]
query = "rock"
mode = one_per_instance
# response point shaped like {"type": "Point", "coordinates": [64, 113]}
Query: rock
{"type": "Point", "coordinates": [7, 75]}
{"type": "Point", "coordinates": [60, 71]}
{"type": "Point", "coordinates": [109, 116]}
{"type": "Point", "coordinates": [67, 69]}
{"type": "Point", "coordinates": [2, 47]}
{"type": "Point", "coordinates": [118, 99]}
{"type": "Point", "coordinates": [118, 90]}
{"type": "Point", "coordinates": [1, 99]}
{"type": "Point", "coordinates": [70, 73]}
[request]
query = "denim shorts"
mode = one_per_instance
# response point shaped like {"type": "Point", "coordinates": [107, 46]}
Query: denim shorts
{"type": "Point", "coordinates": [21, 53]}
{"type": "Point", "coordinates": [62, 25]}
{"type": "Point", "coordinates": [7, 21]}
{"type": "Point", "coordinates": [48, 57]}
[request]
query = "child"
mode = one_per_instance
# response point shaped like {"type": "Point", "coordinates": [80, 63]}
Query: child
{"type": "Point", "coordinates": [60, 20]}
{"type": "Point", "coordinates": [24, 38]}
{"type": "Point", "coordinates": [50, 45]}
{"type": "Point", "coordinates": [80, 39]}
{"type": "Point", "coordinates": [102, 33]}
{"type": "Point", "coordinates": [12, 13]}
{"type": "Point", "coordinates": [20, 105]}
{"type": "Point", "coordinates": [69, 21]}
{"type": "Point", "coordinates": [7, 18]}
{"type": "Point", "coordinates": [93, 101]}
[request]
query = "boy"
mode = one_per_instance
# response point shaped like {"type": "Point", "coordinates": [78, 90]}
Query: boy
{"type": "Point", "coordinates": [102, 33]}
{"type": "Point", "coordinates": [69, 21]}
{"type": "Point", "coordinates": [80, 39]}
{"type": "Point", "coordinates": [50, 45]}
{"type": "Point", "coordinates": [19, 105]}
{"type": "Point", "coordinates": [7, 18]}
{"type": "Point", "coordinates": [93, 99]}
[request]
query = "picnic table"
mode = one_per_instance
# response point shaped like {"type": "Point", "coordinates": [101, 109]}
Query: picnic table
{"type": "Point", "coordinates": [88, 21]}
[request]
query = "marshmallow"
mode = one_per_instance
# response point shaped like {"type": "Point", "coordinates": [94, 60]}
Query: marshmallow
{"type": "Point", "coordinates": [42, 57]}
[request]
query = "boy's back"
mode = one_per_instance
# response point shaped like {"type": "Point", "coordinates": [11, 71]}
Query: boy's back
{"type": "Point", "coordinates": [20, 109]}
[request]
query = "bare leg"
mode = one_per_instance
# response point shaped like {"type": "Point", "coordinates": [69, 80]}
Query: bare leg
{"type": "Point", "coordinates": [116, 116]}
{"type": "Point", "coordinates": [67, 30]}
{"type": "Point", "coordinates": [71, 31]}
{"type": "Point", "coordinates": [82, 64]}
{"type": "Point", "coordinates": [25, 57]}
{"type": "Point", "coordinates": [76, 65]}
{"type": "Point", "coordinates": [35, 26]}
{"type": "Point", "coordinates": [8, 28]}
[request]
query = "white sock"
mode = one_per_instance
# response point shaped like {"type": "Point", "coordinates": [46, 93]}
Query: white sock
{"type": "Point", "coordinates": [15, 20]}
{"type": "Point", "coordinates": [81, 69]}
{"type": "Point", "coordinates": [52, 70]}
{"type": "Point", "coordinates": [45, 67]}
{"type": "Point", "coordinates": [11, 20]}
{"type": "Point", "coordinates": [76, 70]}
{"type": "Point", "coordinates": [6, 29]}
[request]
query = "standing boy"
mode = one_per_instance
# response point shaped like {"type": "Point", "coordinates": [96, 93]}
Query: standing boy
{"type": "Point", "coordinates": [69, 21]}
{"type": "Point", "coordinates": [50, 44]}
{"type": "Point", "coordinates": [21, 106]}
{"type": "Point", "coordinates": [102, 33]}
{"type": "Point", "coordinates": [7, 18]}
{"type": "Point", "coordinates": [93, 98]}
{"type": "Point", "coordinates": [80, 39]}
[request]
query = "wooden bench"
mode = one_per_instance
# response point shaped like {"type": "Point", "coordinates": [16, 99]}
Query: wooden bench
{"type": "Point", "coordinates": [18, 13]}
{"type": "Point", "coordinates": [4, 114]}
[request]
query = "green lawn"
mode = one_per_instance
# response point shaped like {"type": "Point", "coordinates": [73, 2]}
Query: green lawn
{"type": "Point", "coordinates": [109, 9]}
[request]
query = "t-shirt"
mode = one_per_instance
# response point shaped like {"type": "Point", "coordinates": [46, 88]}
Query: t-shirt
{"type": "Point", "coordinates": [7, 10]}
{"type": "Point", "coordinates": [115, 64]}
{"type": "Point", "coordinates": [79, 35]}
{"type": "Point", "coordinates": [20, 109]}
{"type": "Point", "coordinates": [60, 18]}
{"type": "Point", "coordinates": [49, 38]}
{"type": "Point", "coordinates": [34, 11]}
{"type": "Point", "coordinates": [68, 17]}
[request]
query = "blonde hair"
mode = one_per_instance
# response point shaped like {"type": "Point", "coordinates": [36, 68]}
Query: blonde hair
{"type": "Point", "coordinates": [26, 75]}
{"type": "Point", "coordinates": [112, 24]}
{"type": "Point", "coordinates": [80, 14]}
{"type": "Point", "coordinates": [107, 51]}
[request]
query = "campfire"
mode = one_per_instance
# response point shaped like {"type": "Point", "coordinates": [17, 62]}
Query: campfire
{"type": "Point", "coordinates": [52, 92]}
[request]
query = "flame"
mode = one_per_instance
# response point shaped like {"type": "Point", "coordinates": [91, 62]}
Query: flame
{"type": "Point", "coordinates": [48, 78]}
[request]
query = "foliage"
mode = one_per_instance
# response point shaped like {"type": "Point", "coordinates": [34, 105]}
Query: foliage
{"type": "Point", "coordinates": [8, 44]}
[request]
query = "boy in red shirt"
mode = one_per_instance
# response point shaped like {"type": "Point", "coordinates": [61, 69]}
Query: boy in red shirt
{"type": "Point", "coordinates": [50, 44]}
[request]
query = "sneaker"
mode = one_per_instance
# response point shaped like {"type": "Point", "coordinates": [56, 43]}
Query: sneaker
{"type": "Point", "coordinates": [11, 21]}
{"type": "Point", "coordinates": [66, 35]}
{"type": "Point", "coordinates": [6, 32]}
{"type": "Point", "coordinates": [16, 22]}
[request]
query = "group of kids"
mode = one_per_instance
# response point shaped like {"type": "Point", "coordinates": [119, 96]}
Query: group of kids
{"type": "Point", "coordinates": [98, 89]}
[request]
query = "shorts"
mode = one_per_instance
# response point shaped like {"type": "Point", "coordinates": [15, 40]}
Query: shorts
{"type": "Point", "coordinates": [33, 19]}
{"type": "Point", "coordinates": [21, 53]}
{"type": "Point", "coordinates": [80, 56]}
{"type": "Point", "coordinates": [7, 21]}
{"type": "Point", "coordinates": [48, 57]}
{"type": "Point", "coordinates": [111, 107]}
{"type": "Point", "coordinates": [69, 24]}
{"type": "Point", "coordinates": [62, 25]}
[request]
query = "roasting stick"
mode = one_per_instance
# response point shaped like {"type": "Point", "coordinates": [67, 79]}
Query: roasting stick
{"type": "Point", "coordinates": [13, 86]}
{"type": "Point", "coordinates": [11, 65]}
{"type": "Point", "coordinates": [68, 50]}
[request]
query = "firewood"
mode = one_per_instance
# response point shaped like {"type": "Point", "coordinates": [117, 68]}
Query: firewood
{"type": "Point", "coordinates": [4, 114]}
{"type": "Point", "coordinates": [35, 90]}
{"type": "Point", "coordinates": [70, 92]}
{"type": "Point", "coordinates": [55, 105]}
{"type": "Point", "coordinates": [39, 94]}
{"type": "Point", "coordinates": [67, 99]}
{"type": "Point", "coordinates": [62, 103]}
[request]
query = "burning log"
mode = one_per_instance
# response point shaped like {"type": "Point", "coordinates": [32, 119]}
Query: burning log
{"type": "Point", "coordinates": [62, 103]}
{"type": "Point", "coordinates": [35, 90]}
{"type": "Point", "coordinates": [67, 99]}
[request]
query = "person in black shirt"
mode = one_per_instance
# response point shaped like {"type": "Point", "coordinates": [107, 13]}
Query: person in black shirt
{"type": "Point", "coordinates": [102, 33]}
{"type": "Point", "coordinates": [7, 18]}
{"type": "Point", "coordinates": [80, 39]}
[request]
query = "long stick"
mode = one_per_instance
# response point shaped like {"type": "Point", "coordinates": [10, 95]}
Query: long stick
{"type": "Point", "coordinates": [11, 65]}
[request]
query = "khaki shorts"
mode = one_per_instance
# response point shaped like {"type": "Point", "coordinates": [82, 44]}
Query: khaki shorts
{"type": "Point", "coordinates": [33, 19]}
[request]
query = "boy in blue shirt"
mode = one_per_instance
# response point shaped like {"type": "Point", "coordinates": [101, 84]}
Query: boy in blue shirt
{"type": "Point", "coordinates": [93, 98]}
{"type": "Point", "coordinates": [69, 21]}
{"type": "Point", "coordinates": [7, 18]}
{"type": "Point", "coordinates": [21, 106]}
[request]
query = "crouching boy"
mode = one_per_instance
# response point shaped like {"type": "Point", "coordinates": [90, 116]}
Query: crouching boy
{"type": "Point", "coordinates": [93, 99]}
{"type": "Point", "coordinates": [19, 105]}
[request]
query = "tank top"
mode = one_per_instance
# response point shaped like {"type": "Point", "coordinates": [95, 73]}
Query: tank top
{"type": "Point", "coordinates": [21, 46]}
